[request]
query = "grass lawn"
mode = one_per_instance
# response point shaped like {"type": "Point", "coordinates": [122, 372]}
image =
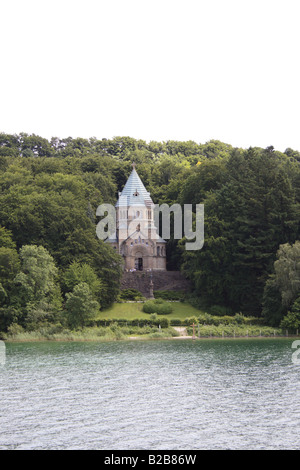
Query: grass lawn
{"type": "Point", "coordinates": [130, 311]}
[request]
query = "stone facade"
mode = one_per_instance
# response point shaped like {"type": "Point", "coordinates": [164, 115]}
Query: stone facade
{"type": "Point", "coordinates": [161, 280]}
{"type": "Point", "coordinates": [136, 237]}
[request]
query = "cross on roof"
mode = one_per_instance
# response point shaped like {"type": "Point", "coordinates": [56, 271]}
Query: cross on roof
{"type": "Point", "coordinates": [133, 165]}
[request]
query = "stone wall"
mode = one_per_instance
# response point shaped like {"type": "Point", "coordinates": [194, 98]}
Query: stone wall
{"type": "Point", "coordinates": [162, 280]}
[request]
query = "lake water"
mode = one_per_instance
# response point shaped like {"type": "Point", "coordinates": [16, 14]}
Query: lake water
{"type": "Point", "coordinates": [174, 395]}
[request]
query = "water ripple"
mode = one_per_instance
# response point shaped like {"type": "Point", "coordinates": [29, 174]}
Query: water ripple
{"type": "Point", "coordinates": [150, 395]}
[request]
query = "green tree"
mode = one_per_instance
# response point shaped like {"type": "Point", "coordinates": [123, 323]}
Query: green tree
{"type": "Point", "coordinates": [37, 293]}
{"type": "Point", "coordinates": [55, 210]}
{"type": "Point", "coordinates": [287, 272]}
{"type": "Point", "coordinates": [34, 145]}
{"type": "Point", "coordinates": [292, 319]}
{"type": "Point", "coordinates": [6, 239]}
{"type": "Point", "coordinates": [80, 306]}
{"type": "Point", "coordinates": [9, 259]}
{"type": "Point", "coordinates": [9, 145]}
{"type": "Point", "coordinates": [9, 265]}
{"type": "Point", "coordinates": [283, 285]}
{"type": "Point", "coordinates": [3, 294]}
{"type": "Point", "coordinates": [272, 309]}
{"type": "Point", "coordinates": [253, 212]}
{"type": "Point", "coordinates": [77, 273]}
{"type": "Point", "coordinates": [205, 178]}
{"type": "Point", "coordinates": [38, 271]}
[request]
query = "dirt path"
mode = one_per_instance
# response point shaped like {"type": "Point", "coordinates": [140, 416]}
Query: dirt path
{"type": "Point", "coordinates": [182, 332]}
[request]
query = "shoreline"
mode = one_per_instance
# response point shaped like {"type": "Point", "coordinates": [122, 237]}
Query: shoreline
{"type": "Point", "coordinates": [142, 338]}
{"type": "Point", "coordinates": [143, 333]}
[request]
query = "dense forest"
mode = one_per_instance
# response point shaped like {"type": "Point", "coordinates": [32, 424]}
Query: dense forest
{"type": "Point", "coordinates": [51, 259]}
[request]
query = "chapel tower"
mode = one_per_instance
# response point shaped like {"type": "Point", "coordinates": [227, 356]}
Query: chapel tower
{"type": "Point", "coordinates": [136, 237]}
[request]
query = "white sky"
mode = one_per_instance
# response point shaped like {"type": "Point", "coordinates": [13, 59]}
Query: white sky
{"type": "Point", "coordinates": [152, 69]}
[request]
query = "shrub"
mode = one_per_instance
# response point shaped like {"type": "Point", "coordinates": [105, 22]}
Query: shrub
{"type": "Point", "coordinates": [164, 309]}
{"type": "Point", "coordinates": [175, 322]}
{"type": "Point", "coordinates": [219, 310]}
{"type": "Point", "coordinates": [206, 319]}
{"type": "Point", "coordinates": [80, 306]}
{"type": "Point", "coordinates": [119, 335]}
{"type": "Point", "coordinates": [254, 321]}
{"type": "Point", "coordinates": [292, 319]}
{"type": "Point", "coordinates": [15, 329]}
{"type": "Point", "coordinates": [169, 295]}
{"type": "Point", "coordinates": [196, 302]}
{"type": "Point", "coordinates": [190, 320]}
{"type": "Point", "coordinates": [157, 306]}
{"type": "Point", "coordinates": [225, 320]}
{"type": "Point", "coordinates": [239, 318]}
{"type": "Point", "coordinates": [156, 334]}
{"type": "Point", "coordinates": [164, 322]}
{"type": "Point", "coordinates": [149, 307]}
{"type": "Point", "coordinates": [130, 294]}
{"type": "Point", "coordinates": [140, 322]}
{"type": "Point", "coordinates": [233, 330]}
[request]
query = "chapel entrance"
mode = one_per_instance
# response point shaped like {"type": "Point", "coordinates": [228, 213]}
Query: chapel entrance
{"type": "Point", "coordinates": [139, 264]}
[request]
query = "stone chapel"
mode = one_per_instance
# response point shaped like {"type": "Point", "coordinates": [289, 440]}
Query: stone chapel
{"type": "Point", "coordinates": [136, 238]}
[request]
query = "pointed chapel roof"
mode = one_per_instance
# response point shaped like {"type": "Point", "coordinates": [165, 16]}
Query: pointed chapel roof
{"type": "Point", "coordinates": [134, 192]}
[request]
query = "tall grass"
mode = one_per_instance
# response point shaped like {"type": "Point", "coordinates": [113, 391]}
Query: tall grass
{"type": "Point", "coordinates": [234, 331]}
{"type": "Point", "coordinates": [112, 332]}
{"type": "Point", "coordinates": [130, 311]}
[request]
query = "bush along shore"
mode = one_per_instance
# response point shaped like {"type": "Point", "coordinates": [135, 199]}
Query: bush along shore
{"type": "Point", "coordinates": [154, 327]}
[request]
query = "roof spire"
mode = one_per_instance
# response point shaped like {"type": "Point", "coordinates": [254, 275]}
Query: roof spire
{"type": "Point", "coordinates": [133, 165]}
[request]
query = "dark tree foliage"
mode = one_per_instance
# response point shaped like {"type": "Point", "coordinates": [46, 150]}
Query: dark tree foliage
{"type": "Point", "coordinates": [49, 192]}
